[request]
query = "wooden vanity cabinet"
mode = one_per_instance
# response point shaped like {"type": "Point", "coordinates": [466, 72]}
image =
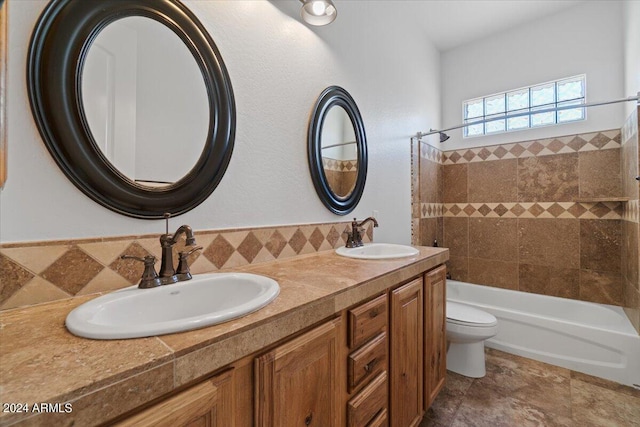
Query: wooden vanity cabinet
{"type": "Point", "coordinates": [209, 403]}
{"type": "Point", "coordinates": [406, 339]}
{"type": "Point", "coordinates": [367, 362]}
{"type": "Point", "coordinates": [296, 384]}
{"type": "Point", "coordinates": [435, 339]}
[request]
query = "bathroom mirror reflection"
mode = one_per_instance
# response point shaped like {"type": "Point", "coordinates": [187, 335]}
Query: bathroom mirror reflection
{"type": "Point", "coordinates": [339, 152]}
{"type": "Point", "coordinates": [145, 101]}
{"type": "Point", "coordinates": [337, 149]}
{"type": "Point", "coordinates": [160, 140]}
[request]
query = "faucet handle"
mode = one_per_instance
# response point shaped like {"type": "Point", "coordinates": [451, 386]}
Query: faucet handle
{"type": "Point", "coordinates": [182, 272]}
{"type": "Point", "coordinates": [149, 277]}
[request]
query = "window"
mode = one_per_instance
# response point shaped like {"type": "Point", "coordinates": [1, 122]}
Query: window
{"type": "Point", "coordinates": [516, 109]}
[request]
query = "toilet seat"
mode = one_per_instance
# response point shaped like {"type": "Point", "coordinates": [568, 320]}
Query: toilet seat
{"type": "Point", "coordinates": [466, 315]}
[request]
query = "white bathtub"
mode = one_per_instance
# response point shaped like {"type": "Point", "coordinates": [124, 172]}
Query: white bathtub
{"type": "Point", "coordinates": [595, 339]}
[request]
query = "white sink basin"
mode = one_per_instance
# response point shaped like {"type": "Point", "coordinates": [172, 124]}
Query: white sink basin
{"type": "Point", "coordinates": [378, 251]}
{"type": "Point", "coordinates": [205, 300]}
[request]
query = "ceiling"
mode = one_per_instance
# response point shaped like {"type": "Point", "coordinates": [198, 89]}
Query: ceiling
{"type": "Point", "coordinates": [453, 23]}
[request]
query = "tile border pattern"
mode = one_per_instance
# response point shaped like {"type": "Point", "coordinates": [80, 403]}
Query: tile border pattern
{"type": "Point", "coordinates": [560, 210]}
{"type": "Point", "coordinates": [542, 147]}
{"type": "Point", "coordinates": [38, 272]}
{"type": "Point", "coordinates": [631, 211]}
{"type": "Point", "coordinates": [339, 165]}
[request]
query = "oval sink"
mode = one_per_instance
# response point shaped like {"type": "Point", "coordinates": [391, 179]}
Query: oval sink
{"type": "Point", "coordinates": [205, 300]}
{"type": "Point", "coordinates": [378, 251]}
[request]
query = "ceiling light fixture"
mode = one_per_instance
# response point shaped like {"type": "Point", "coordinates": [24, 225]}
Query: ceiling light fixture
{"type": "Point", "coordinates": [318, 12]}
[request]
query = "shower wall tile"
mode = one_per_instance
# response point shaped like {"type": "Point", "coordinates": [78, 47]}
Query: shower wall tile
{"type": "Point", "coordinates": [519, 215]}
{"type": "Point", "coordinates": [599, 173]}
{"type": "Point", "coordinates": [493, 181]}
{"type": "Point", "coordinates": [601, 286]}
{"type": "Point", "coordinates": [549, 242]}
{"type": "Point", "coordinates": [458, 268]}
{"type": "Point", "coordinates": [493, 239]}
{"type": "Point", "coordinates": [456, 236]}
{"type": "Point", "coordinates": [600, 245]}
{"type": "Point", "coordinates": [430, 181]}
{"type": "Point", "coordinates": [550, 280]}
{"type": "Point", "coordinates": [431, 230]}
{"type": "Point", "coordinates": [455, 183]}
{"type": "Point", "coordinates": [548, 178]}
{"type": "Point", "coordinates": [494, 273]}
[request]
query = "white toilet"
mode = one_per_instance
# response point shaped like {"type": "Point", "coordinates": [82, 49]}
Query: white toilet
{"type": "Point", "coordinates": [467, 328]}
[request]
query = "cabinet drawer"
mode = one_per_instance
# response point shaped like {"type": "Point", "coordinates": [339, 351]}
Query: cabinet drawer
{"type": "Point", "coordinates": [369, 403]}
{"type": "Point", "coordinates": [367, 321]}
{"type": "Point", "coordinates": [380, 420]}
{"type": "Point", "coordinates": [368, 361]}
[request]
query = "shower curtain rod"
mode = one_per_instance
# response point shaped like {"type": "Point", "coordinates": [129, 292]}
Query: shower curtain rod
{"type": "Point", "coordinates": [419, 135]}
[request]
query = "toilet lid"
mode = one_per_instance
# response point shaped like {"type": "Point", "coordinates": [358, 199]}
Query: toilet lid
{"type": "Point", "coordinates": [466, 314]}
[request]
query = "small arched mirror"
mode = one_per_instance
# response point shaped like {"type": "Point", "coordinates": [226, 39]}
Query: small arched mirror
{"type": "Point", "coordinates": [133, 101]}
{"type": "Point", "coordinates": [337, 148]}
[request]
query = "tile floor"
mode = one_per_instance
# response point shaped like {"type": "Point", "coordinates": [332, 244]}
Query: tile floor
{"type": "Point", "coordinates": [522, 392]}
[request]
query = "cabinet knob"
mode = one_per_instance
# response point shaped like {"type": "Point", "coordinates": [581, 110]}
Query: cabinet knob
{"type": "Point", "coordinates": [307, 421]}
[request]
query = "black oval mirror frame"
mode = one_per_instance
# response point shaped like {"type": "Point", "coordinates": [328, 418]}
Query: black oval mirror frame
{"type": "Point", "coordinates": [58, 48]}
{"type": "Point", "coordinates": [331, 97]}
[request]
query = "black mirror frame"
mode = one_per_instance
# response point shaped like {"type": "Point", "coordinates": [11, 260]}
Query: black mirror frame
{"type": "Point", "coordinates": [57, 51]}
{"type": "Point", "coordinates": [330, 97]}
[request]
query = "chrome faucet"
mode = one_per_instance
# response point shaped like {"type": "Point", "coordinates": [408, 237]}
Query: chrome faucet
{"type": "Point", "coordinates": [354, 238]}
{"type": "Point", "coordinates": [167, 270]}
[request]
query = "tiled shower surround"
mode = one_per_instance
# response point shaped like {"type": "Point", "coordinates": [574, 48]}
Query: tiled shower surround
{"type": "Point", "coordinates": [38, 272]}
{"type": "Point", "coordinates": [546, 216]}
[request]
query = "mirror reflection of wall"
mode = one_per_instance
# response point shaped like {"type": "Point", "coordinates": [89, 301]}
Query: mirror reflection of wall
{"type": "Point", "coordinates": [145, 101]}
{"type": "Point", "coordinates": [339, 151]}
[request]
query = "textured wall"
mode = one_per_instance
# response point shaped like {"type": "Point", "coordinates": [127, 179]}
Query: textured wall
{"type": "Point", "coordinates": [278, 66]}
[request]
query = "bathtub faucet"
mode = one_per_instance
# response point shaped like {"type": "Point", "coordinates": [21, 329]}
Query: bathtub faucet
{"type": "Point", "coordinates": [354, 238]}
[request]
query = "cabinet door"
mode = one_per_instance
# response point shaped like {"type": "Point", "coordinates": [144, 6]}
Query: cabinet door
{"type": "Point", "coordinates": [406, 348]}
{"type": "Point", "coordinates": [209, 404]}
{"type": "Point", "coordinates": [435, 370]}
{"type": "Point", "coordinates": [297, 383]}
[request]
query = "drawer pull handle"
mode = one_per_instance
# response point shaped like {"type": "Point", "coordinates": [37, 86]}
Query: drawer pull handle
{"type": "Point", "coordinates": [307, 421]}
{"type": "Point", "coordinates": [374, 312]}
{"type": "Point", "coordinates": [369, 366]}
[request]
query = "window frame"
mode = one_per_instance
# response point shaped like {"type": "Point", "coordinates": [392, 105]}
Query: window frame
{"type": "Point", "coordinates": [529, 108]}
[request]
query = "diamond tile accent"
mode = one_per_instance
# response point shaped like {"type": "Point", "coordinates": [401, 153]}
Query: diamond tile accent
{"type": "Point", "coordinates": [469, 155]}
{"type": "Point", "coordinates": [484, 210]}
{"type": "Point", "coordinates": [556, 210]}
{"type": "Point", "coordinates": [130, 269]}
{"type": "Point", "coordinates": [14, 277]}
{"type": "Point", "coordinates": [333, 236]}
{"type": "Point", "coordinates": [72, 271]}
{"type": "Point", "coordinates": [316, 238]}
{"type": "Point", "coordinates": [249, 247]}
{"type": "Point", "coordinates": [297, 241]}
{"type": "Point", "coordinates": [555, 145]}
{"type": "Point", "coordinates": [535, 147]}
{"type": "Point", "coordinates": [219, 251]}
{"type": "Point", "coordinates": [577, 210]}
{"type": "Point", "coordinates": [276, 244]}
{"type": "Point", "coordinates": [500, 152]}
{"type": "Point", "coordinates": [501, 209]}
{"type": "Point", "coordinates": [577, 143]}
{"type": "Point", "coordinates": [469, 210]}
{"type": "Point", "coordinates": [600, 140]}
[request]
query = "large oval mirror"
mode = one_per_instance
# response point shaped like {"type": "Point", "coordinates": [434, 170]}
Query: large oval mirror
{"type": "Point", "coordinates": [133, 101]}
{"type": "Point", "coordinates": [337, 148]}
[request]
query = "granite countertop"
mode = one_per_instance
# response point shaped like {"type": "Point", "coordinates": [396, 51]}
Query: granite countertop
{"type": "Point", "coordinates": [93, 381]}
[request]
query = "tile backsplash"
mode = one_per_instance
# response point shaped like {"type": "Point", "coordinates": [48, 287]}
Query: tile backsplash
{"type": "Point", "coordinates": [37, 272]}
{"type": "Point", "coordinates": [545, 216]}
